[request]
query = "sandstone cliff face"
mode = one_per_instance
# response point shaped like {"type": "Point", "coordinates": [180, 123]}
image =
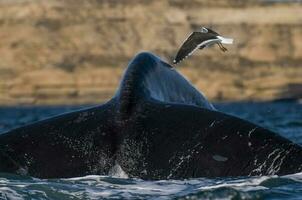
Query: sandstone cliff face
{"type": "Point", "coordinates": [62, 52]}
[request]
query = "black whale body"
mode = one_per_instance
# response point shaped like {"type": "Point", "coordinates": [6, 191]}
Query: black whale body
{"type": "Point", "coordinates": [157, 126]}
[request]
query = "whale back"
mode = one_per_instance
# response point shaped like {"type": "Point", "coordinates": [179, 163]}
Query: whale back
{"type": "Point", "coordinates": [148, 78]}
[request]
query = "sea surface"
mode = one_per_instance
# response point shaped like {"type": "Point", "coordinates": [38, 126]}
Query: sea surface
{"type": "Point", "coordinates": [284, 118]}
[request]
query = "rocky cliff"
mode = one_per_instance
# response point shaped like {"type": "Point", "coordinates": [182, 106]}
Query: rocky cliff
{"type": "Point", "coordinates": [63, 52]}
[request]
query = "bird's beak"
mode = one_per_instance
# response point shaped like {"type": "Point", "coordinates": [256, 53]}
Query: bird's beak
{"type": "Point", "coordinates": [224, 40]}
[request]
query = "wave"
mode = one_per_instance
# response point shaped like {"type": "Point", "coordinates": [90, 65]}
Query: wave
{"type": "Point", "coordinates": [106, 187]}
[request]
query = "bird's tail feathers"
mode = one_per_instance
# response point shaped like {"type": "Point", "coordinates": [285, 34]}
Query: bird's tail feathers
{"type": "Point", "coordinates": [225, 40]}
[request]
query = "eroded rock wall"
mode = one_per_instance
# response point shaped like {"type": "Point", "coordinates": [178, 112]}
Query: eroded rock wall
{"type": "Point", "coordinates": [62, 52]}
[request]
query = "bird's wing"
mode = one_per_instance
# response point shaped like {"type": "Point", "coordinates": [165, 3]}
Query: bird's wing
{"type": "Point", "coordinates": [211, 31]}
{"type": "Point", "coordinates": [194, 41]}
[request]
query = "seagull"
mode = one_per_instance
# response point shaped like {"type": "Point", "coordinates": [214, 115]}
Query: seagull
{"type": "Point", "coordinates": [198, 40]}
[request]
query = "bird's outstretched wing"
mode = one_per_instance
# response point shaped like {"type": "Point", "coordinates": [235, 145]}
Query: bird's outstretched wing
{"type": "Point", "coordinates": [195, 41]}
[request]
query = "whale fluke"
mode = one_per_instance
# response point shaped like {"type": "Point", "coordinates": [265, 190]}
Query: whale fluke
{"type": "Point", "coordinates": [156, 126]}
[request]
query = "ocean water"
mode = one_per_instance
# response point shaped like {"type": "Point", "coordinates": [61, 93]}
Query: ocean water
{"type": "Point", "coordinates": [284, 118]}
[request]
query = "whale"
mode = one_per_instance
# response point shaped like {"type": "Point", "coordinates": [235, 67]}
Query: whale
{"type": "Point", "coordinates": [156, 126]}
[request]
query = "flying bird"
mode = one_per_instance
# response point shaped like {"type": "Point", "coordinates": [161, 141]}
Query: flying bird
{"type": "Point", "coordinates": [198, 40]}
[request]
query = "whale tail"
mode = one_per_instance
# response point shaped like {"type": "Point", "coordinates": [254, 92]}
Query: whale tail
{"type": "Point", "coordinates": [158, 126]}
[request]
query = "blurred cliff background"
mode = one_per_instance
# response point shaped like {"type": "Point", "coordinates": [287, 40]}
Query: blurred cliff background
{"type": "Point", "coordinates": [74, 52]}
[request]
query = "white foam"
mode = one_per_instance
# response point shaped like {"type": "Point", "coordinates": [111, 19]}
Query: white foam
{"type": "Point", "coordinates": [117, 172]}
{"type": "Point", "coordinates": [105, 187]}
{"type": "Point", "coordinates": [296, 177]}
{"type": "Point", "coordinates": [241, 184]}
{"type": "Point", "coordinates": [10, 193]}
